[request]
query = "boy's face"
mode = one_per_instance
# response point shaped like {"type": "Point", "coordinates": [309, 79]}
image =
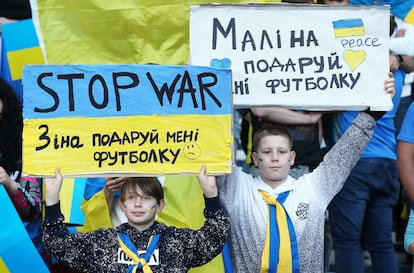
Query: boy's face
{"type": "Point", "coordinates": [140, 209]}
{"type": "Point", "coordinates": [274, 158]}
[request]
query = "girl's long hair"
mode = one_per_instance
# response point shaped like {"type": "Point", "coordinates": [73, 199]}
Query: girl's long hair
{"type": "Point", "coordinates": [11, 128]}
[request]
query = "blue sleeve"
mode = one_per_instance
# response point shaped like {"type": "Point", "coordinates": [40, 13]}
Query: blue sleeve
{"type": "Point", "coordinates": [407, 126]}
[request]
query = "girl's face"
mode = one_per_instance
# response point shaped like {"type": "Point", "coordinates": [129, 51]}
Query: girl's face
{"type": "Point", "coordinates": [274, 158]}
{"type": "Point", "coordinates": [140, 209]}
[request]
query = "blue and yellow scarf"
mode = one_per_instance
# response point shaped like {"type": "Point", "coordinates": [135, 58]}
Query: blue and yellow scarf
{"type": "Point", "coordinates": [141, 261]}
{"type": "Point", "coordinates": [280, 253]}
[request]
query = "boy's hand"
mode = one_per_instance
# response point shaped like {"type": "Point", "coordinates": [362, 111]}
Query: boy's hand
{"type": "Point", "coordinates": [53, 186]}
{"type": "Point", "coordinates": [207, 183]}
{"type": "Point", "coordinates": [389, 89]}
{"type": "Point", "coordinates": [389, 85]}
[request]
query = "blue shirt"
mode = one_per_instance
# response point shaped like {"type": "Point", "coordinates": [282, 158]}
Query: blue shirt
{"type": "Point", "coordinates": [383, 143]}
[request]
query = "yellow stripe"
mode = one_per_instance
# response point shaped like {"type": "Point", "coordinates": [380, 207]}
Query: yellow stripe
{"type": "Point", "coordinates": [249, 144]}
{"type": "Point", "coordinates": [70, 30]}
{"type": "Point", "coordinates": [3, 267]}
{"type": "Point", "coordinates": [410, 16]}
{"type": "Point", "coordinates": [134, 256]}
{"type": "Point", "coordinates": [285, 251]}
{"type": "Point", "coordinates": [344, 32]}
{"type": "Point", "coordinates": [266, 250]}
{"type": "Point", "coordinates": [214, 139]}
{"type": "Point", "coordinates": [127, 251]}
{"type": "Point", "coordinates": [19, 58]}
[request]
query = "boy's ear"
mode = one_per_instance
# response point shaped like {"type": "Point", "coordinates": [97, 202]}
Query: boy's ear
{"type": "Point", "coordinates": [292, 157]}
{"type": "Point", "coordinates": [160, 206]}
{"type": "Point", "coordinates": [121, 204]}
{"type": "Point", "coordinates": [254, 157]}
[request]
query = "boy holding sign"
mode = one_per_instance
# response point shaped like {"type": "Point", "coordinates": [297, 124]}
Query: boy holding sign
{"type": "Point", "coordinates": [292, 239]}
{"type": "Point", "coordinates": [142, 243]}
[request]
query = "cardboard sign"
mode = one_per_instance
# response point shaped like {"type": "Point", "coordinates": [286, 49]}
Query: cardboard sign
{"type": "Point", "coordinates": [93, 120]}
{"type": "Point", "coordinates": [297, 56]}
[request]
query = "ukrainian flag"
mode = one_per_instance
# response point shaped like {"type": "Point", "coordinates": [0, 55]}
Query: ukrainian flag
{"type": "Point", "coordinates": [404, 9]}
{"type": "Point", "coordinates": [348, 27]}
{"type": "Point", "coordinates": [71, 196]}
{"type": "Point", "coordinates": [131, 32]}
{"type": "Point", "coordinates": [3, 266]}
{"type": "Point", "coordinates": [17, 252]}
{"type": "Point", "coordinates": [22, 46]}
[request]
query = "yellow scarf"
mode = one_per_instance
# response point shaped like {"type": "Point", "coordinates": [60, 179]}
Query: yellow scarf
{"type": "Point", "coordinates": [280, 252]}
{"type": "Point", "coordinates": [140, 262]}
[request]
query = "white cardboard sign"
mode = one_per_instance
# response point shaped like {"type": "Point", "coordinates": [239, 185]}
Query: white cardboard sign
{"type": "Point", "coordinates": [297, 56]}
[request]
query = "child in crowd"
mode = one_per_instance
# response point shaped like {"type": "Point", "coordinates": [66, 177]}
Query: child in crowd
{"type": "Point", "coordinates": [293, 242]}
{"type": "Point", "coordinates": [142, 243]}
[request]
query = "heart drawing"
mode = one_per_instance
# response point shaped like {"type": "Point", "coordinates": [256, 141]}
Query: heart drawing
{"type": "Point", "coordinates": [224, 63]}
{"type": "Point", "coordinates": [354, 58]}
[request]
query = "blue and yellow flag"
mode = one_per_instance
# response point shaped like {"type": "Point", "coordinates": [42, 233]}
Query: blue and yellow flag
{"type": "Point", "coordinates": [404, 9]}
{"type": "Point", "coordinates": [348, 27]}
{"type": "Point", "coordinates": [17, 252]}
{"type": "Point", "coordinates": [22, 46]}
{"type": "Point", "coordinates": [128, 31]}
{"type": "Point", "coordinates": [71, 198]}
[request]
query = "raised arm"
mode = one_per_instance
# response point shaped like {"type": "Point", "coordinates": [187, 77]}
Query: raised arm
{"type": "Point", "coordinates": [71, 249]}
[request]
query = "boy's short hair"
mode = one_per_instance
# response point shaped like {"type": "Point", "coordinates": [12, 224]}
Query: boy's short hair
{"type": "Point", "coordinates": [271, 131]}
{"type": "Point", "coordinates": [150, 186]}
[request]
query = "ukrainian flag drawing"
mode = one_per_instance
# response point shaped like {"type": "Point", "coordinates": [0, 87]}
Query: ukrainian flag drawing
{"type": "Point", "coordinates": [348, 27]}
{"type": "Point", "coordinates": [22, 46]}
